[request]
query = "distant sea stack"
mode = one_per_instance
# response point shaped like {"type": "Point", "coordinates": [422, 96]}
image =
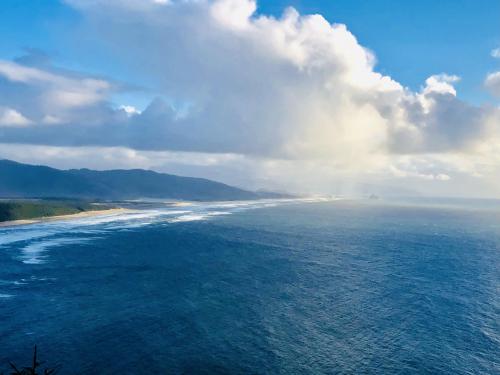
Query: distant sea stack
{"type": "Point", "coordinates": [29, 181]}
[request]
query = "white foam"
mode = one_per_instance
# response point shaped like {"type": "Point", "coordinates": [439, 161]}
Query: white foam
{"type": "Point", "coordinates": [13, 235]}
{"type": "Point", "coordinates": [203, 215]}
{"type": "Point", "coordinates": [12, 282]}
{"type": "Point", "coordinates": [42, 236]}
{"type": "Point", "coordinates": [97, 220]}
{"type": "Point", "coordinates": [34, 252]}
{"type": "Point", "coordinates": [185, 218]}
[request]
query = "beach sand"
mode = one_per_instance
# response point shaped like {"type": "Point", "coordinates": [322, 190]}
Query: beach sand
{"type": "Point", "coordinates": [79, 215]}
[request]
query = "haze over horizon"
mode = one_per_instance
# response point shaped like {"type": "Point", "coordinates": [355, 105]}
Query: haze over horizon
{"type": "Point", "coordinates": [258, 94]}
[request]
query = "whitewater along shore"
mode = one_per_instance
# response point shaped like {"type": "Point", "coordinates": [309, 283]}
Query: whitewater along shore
{"type": "Point", "coordinates": [80, 215]}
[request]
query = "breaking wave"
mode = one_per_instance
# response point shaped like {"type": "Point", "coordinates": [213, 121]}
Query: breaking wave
{"type": "Point", "coordinates": [32, 242]}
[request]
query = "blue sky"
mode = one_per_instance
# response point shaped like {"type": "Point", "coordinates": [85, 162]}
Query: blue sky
{"type": "Point", "coordinates": [415, 39]}
{"type": "Point", "coordinates": [221, 89]}
{"type": "Point", "coordinates": [411, 39]}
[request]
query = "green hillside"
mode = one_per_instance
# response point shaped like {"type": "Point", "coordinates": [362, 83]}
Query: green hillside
{"type": "Point", "coordinates": [28, 181]}
{"type": "Point", "coordinates": [22, 210]}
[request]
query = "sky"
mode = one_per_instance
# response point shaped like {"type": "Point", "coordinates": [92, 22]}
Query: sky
{"type": "Point", "coordinates": [315, 97]}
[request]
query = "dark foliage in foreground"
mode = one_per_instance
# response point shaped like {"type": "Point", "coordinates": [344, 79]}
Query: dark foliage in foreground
{"type": "Point", "coordinates": [34, 369]}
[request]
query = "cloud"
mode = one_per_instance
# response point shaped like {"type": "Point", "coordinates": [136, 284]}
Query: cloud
{"type": "Point", "coordinates": [293, 87]}
{"type": "Point", "coordinates": [294, 90]}
{"type": "Point", "coordinates": [395, 175]}
{"type": "Point", "coordinates": [130, 110]}
{"type": "Point", "coordinates": [48, 96]}
{"type": "Point", "coordinates": [11, 118]}
{"type": "Point", "coordinates": [495, 53]}
{"type": "Point", "coordinates": [492, 83]}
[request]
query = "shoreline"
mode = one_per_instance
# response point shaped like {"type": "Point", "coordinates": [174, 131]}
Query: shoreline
{"type": "Point", "coordinates": [84, 214]}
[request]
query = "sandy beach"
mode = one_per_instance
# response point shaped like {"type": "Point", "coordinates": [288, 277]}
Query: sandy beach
{"type": "Point", "coordinates": [79, 215]}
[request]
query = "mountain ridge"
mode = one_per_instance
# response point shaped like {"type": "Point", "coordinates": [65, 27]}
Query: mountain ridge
{"type": "Point", "coordinates": [18, 180]}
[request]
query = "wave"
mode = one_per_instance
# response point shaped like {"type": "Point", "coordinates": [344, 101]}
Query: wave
{"type": "Point", "coordinates": [34, 240]}
{"type": "Point", "coordinates": [197, 217]}
{"type": "Point", "coordinates": [34, 252]}
{"type": "Point", "coordinates": [18, 235]}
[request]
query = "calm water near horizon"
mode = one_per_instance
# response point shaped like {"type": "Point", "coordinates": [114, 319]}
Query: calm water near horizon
{"type": "Point", "coordinates": [257, 288]}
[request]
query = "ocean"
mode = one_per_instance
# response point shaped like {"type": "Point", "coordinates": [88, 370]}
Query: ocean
{"type": "Point", "coordinates": [270, 287]}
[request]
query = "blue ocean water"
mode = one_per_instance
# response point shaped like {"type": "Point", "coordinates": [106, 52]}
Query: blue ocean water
{"type": "Point", "coordinates": [257, 288]}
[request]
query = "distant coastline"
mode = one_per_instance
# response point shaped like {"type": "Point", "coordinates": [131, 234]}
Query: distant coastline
{"type": "Point", "coordinates": [23, 212]}
{"type": "Point", "coordinates": [110, 211]}
{"type": "Point", "coordinates": [26, 181]}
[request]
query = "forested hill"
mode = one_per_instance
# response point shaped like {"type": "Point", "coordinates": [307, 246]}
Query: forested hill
{"type": "Point", "coordinates": [28, 181]}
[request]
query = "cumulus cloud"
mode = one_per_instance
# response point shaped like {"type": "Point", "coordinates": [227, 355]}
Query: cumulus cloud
{"type": "Point", "coordinates": [492, 83]}
{"type": "Point", "coordinates": [11, 117]}
{"type": "Point", "coordinates": [130, 110]}
{"type": "Point", "coordinates": [292, 89]}
{"type": "Point", "coordinates": [48, 96]}
{"type": "Point", "coordinates": [62, 91]}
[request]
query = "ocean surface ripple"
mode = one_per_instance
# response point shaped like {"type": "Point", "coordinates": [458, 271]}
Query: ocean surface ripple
{"type": "Point", "coordinates": [265, 287]}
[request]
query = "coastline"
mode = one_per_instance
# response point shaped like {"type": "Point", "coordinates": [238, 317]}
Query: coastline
{"type": "Point", "coordinates": [79, 215]}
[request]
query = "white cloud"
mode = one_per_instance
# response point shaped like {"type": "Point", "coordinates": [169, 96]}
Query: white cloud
{"type": "Point", "coordinates": [293, 87]}
{"type": "Point", "coordinates": [19, 73]}
{"type": "Point", "coordinates": [293, 94]}
{"type": "Point", "coordinates": [434, 175]}
{"type": "Point", "coordinates": [234, 13]}
{"type": "Point", "coordinates": [47, 94]}
{"type": "Point", "coordinates": [51, 120]}
{"type": "Point", "coordinates": [495, 53]}
{"type": "Point", "coordinates": [441, 84]}
{"type": "Point", "coordinates": [130, 110]}
{"type": "Point", "coordinates": [11, 118]}
{"type": "Point", "coordinates": [492, 83]}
